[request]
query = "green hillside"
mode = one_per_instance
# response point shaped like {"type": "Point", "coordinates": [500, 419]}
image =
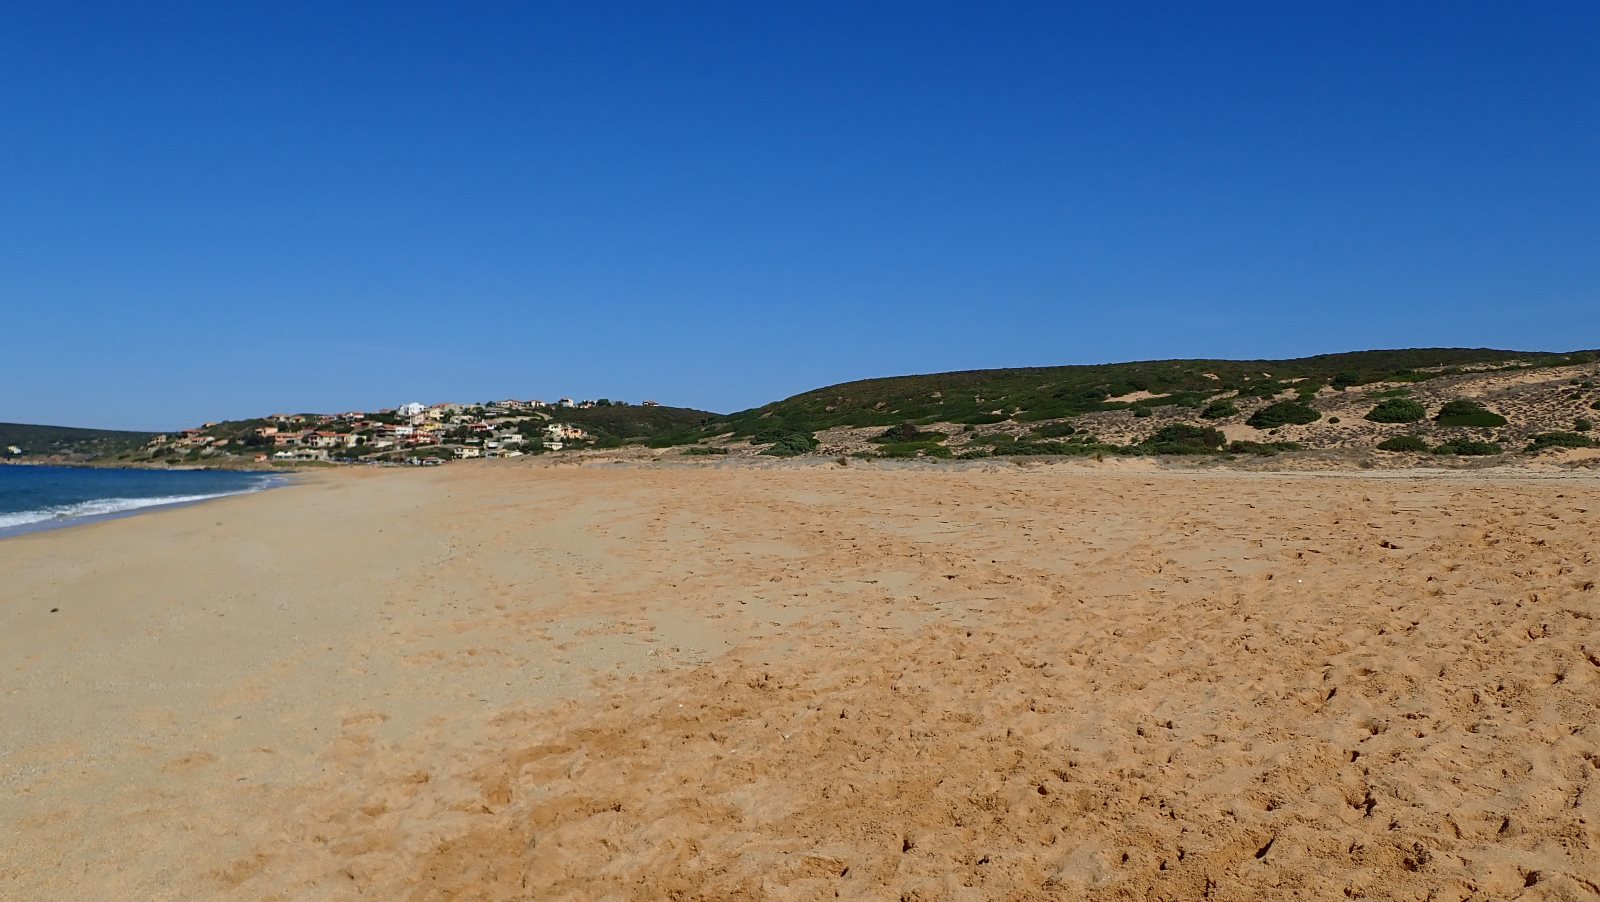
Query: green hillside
{"type": "Point", "coordinates": [65, 441]}
{"type": "Point", "coordinates": [980, 397]}
{"type": "Point", "coordinates": [633, 421]}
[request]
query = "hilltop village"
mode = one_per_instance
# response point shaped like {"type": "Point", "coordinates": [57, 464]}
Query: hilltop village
{"type": "Point", "coordinates": [410, 433]}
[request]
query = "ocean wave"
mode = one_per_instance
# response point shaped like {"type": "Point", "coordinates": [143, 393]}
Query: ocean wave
{"type": "Point", "coordinates": [102, 506]}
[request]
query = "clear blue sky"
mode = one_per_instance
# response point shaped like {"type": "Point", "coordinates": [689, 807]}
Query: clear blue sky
{"type": "Point", "coordinates": [214, 210]}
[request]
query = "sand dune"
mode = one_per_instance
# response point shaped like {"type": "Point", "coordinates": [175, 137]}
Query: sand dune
{"type": "Point", "coordinates": [808, 681]}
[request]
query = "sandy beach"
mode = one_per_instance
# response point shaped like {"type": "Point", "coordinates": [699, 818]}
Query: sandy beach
{"type": "Point", "coordinates": [508, 680]}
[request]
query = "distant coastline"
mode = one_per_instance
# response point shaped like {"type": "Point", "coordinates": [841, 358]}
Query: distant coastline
{"type": "Point", "coordinates": [104, 464]}
{"type": "Point", "coordinates": [35, 498]}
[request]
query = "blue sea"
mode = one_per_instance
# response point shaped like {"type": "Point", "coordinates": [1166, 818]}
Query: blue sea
{"type": "Point", "coordinates": [42, 497]}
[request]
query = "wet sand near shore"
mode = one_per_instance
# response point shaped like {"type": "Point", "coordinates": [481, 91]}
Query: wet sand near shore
{"type": "Point", "coordinates": [532, 680]}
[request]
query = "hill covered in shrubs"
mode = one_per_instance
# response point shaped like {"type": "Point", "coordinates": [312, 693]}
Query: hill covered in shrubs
{"type": "Point", "coordinates": [67, 443]}
{"type": "Point", "coordinates": [1448, 401]}
{"type": "Point", "coordinates": [980, 397]}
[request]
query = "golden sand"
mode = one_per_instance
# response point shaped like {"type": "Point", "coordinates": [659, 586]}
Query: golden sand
{"type": "Point", "coordinates": [528, 680]}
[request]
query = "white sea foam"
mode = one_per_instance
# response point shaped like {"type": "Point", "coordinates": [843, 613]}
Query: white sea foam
{"type": "Point", "coordinates": [100, 507]}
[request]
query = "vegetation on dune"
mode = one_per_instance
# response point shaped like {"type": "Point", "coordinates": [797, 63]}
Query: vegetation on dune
{"type": "Point", "coordinates": [1283, 413]}
{"type": "Point", "coordinates": [1060, 429]}
{"type": "Point", "coordinates": [983, 419]}
{"type": "Point", "coordinates": [1412, 443]}
{"type": "Point", "coordinates": [1060, 449]}
{"type": "Point", "coordinates": [981, 397]}
{"type": "Point", "coordinates": [1262, 449]}
{"type": "Point", "coordinates": [1561, 440]}
{"type": "Point", "coordinates": [789, 444]}
{"type": "Point", "coordinates": [909, 433]}
{"type": "Point", "coordinates": [914, 449]}
{"type": "Point", "coordinates": [1397, 410]}
{"type": "Point", "coordinates": [1470, 449]}
{"type": "Point", "coordinates": [1468, 413]}
{"type": "Point", "coordinates": [1184, 439]}
{"type": "Point", "coordinates": [1077, 445]}
{"type": "Point", "coordinates": [1220, 409]}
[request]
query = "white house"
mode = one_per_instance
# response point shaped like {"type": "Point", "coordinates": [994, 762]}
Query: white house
{"type": "Point", "coordinates": [463, 453]}
{"type": "Point", "coordinates": [410, 410]}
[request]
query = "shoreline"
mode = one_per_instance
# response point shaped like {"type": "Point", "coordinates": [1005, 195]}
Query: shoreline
{"type": "Point", "coordinates": [59, 522]}
{"type": "Point", "coordinates": [104, 464]}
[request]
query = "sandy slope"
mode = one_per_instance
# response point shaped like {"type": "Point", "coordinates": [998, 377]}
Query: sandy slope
{"type": "Point", "coordinates": [640, 682]}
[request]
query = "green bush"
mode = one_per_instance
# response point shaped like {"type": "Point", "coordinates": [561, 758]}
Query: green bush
{"type": "Point", "coordinates": [673, 439]}
{"type": "Point", "coordinates": [1582, 425]}
{"type": "Point", "coordinates": [1216, 410]}
{"type": "Point", "coordinates": [1469, 449]}
{"type": "Point", "coordinates": [1334, 420]}
{"type": "Point", "coordinates": [1397, 410]}
{"type": "Point", "coordinates": [1283, 413]}
{"type": "Point", "coordinates": [912, 449]}
{"type": "Point", "coordinates": [984, 419]}
{"type": "Point", "coordinates": [908, 432]}
{"type": "Point", "coordinates": [1033, 448]}
{"type": "Point", "coordinates": [1184, 439]}
{"type": "Point", "coordinates": [699, 450]}
{"type": "Point", "coordinates": [1561, 440]}
{"type": "Point", "coordinates": [1404, 443]}
{"type": "Point", "coordinates": [1141, 412]}
{"type": "Point", "coordinates": [793, 444]}
{"type": "Point", "coordinates": [772, 434]}
{"type": "Point", "coordinates": [1266, 389]}
{"type": "Point", "coordinates": [1262, 449]}
{"type": "Point", "coordinates": [999, 438]}
{"type": "Point", "coordinates": [1066, 449]}
{"type": "Point", "coordinates": [1054, 430]}
{"type": "Point", "coordinates": [1468, 413]}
